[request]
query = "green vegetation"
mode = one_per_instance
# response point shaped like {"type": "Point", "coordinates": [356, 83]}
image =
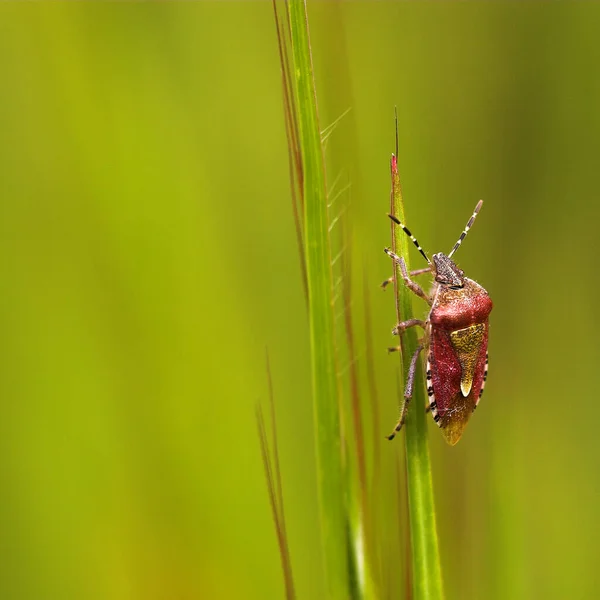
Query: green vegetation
{"type": "Point", "coordinates": [149, 254]}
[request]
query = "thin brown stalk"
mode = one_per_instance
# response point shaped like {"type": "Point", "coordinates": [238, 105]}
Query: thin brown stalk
{"type": "Point", "coordinates": [272, 468]}
{"type": "Point", "coordinates": [294, 151]}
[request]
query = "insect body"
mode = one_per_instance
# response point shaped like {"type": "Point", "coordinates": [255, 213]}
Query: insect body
{"type": "Point", "coordinates": [456, 335]}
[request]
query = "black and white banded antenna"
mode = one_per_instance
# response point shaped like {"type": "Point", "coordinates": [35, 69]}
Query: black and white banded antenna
{"type": "Point", "coordinates": [411, 236]}
{"type": "Point", "coordinates": [464, 233]}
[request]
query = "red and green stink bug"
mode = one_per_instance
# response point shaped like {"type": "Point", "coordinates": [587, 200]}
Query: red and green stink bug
{"type": "Point", "coordinates": [456, 335]}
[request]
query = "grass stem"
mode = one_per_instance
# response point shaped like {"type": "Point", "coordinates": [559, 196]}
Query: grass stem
{"type": "Point", "coordinates": [330, 465]}
{"type": "Point", "coordinates": [426, 570]}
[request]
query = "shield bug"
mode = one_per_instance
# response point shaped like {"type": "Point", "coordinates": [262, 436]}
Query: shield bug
{"type": "Point", "coordinates": [456, 338]}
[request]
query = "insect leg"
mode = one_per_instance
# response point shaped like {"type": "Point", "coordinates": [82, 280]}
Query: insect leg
{"type": "Point", "coordinates": [411, 285]}
{"type": "Point", "coordinates": [420, 271]}
{"type": "Point", "coordinates": [406, 324]}
{"type": "Point", "coordinates": [389, 280]}
{"type": "Point", "coordinates": [408, 391]}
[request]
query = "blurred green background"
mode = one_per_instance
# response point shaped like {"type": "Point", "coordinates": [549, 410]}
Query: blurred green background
{"type": "Point", "coordinates": [148, 257]}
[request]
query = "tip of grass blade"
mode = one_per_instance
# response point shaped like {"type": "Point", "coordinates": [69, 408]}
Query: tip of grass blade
{"type": "Point", "coordinates": [426, 571]}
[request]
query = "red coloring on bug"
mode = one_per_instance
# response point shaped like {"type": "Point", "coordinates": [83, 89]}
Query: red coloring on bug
{"type": "Point", "coordinates": [457, 361]}
{"type": "Point", "coordinates": [462, 312]}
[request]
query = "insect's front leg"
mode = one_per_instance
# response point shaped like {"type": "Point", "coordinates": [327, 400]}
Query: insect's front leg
{"type": "Point", "coordinates": [389, 280]}
{"type": "Point", "coordinates": [410, 284]}
{"type": "Point", "coordinates": [420, 271]}
{"type": "Point", "coordinates": [408, 390]}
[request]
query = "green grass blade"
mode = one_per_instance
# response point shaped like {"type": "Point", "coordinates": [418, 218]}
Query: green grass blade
{"type": "Point", "coordinates": [334, 518]}
{"type": "Point", "coordinates": [427, 575]}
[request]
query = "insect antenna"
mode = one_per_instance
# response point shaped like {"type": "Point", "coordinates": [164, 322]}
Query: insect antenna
{"type": "Point", "coordinates": [464, 233]}
{"type": "Point", "coordinates": [411, 236]}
